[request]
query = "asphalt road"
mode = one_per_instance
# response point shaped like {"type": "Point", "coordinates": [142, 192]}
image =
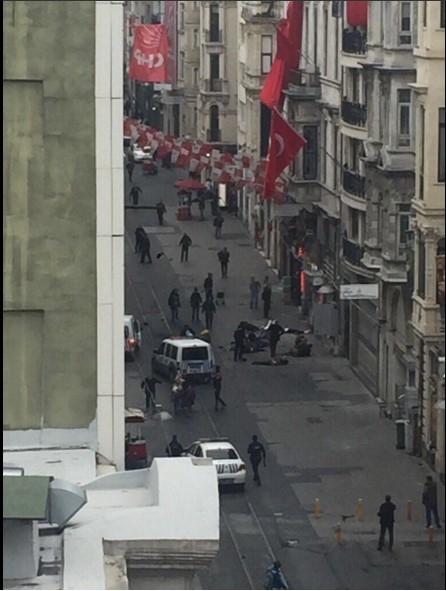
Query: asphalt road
{"type": "Point", "coordinates": [317, 439]}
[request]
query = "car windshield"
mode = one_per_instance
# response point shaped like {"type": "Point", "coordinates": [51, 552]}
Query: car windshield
{"type": "Point", "coordinates": [222, 454]}
{"type": "Point", "coordinates": [195, 354]}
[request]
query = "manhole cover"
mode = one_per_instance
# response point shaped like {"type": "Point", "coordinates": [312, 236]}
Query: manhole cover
{"type": "Point", "coordinates": [312, 420]}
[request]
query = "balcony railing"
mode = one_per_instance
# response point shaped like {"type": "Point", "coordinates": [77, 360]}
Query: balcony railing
{"type": "Point", "coordinates": [354, 113]}
{"type": "Point", "coordinates": [259, 13]}
{"type": "Point", "coordinates": [354, 41]}
{"type": "Point", "coordinates": [213, 36]}
{"type": "Point", "coordinates": [353, 183]}
{"type": "Point", "coordinates": [304, 85]}
{"type": "Point", "coordinates": [216, 85]}
{"type": "Point", "coordinates": [352, 251]}
{"type": "Point", "coordinates": [213, 135]}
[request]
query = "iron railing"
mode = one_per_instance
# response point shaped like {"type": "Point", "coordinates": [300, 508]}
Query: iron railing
{"type": "Point", "coordinates": [353, 183]}
{"type": "Point", "coordinates": [354, 113]}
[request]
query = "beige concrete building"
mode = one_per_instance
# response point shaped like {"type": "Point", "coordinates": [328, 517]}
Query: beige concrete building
{"type": "Point", "coordinates": [429, 230]}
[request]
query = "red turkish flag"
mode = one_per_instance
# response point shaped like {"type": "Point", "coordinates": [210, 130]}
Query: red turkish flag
{"type": "Point", "coordinates": [284, 144]}
{"type": "Point", "coordinates": [357, 13]}
{"type": "Point", "coordinates": [149, 55]}
{"type": "Point", "coordinates": [293, 30]}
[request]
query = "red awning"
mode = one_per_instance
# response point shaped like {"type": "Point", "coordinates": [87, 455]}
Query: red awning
{"type": "Point", "coordinates": [357, 13]}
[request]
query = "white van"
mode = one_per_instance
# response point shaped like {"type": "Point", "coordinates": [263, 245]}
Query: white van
{"type": "Point", "coordinates": [191, 356]}
{"type": "Point", "coordinates": [132, 336]}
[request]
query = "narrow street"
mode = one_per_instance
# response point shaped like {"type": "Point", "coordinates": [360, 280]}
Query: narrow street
{"type": "Point", "coordinates": [320, 426]}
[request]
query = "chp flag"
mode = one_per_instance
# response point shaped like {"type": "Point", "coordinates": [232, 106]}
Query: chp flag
{"type": "Point", "coordinates": [149, 55]}
{"type": "Point", "coordinates": [284, 144]}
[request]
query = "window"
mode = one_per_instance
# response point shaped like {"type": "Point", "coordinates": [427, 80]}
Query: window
{"type": "Point", "coordinates": [336, 53]}
{"type": "Point", "coordinates": [403, 223]}
{"type": "Point", "coordinates": [196, 38]}
{"type": "Point", "coordinates": [421, 269]}
{"type": "Point", "coordinates": [214, 23]}
{"type": "Point", "coordinates": [310, 152]}
{"type": "Point", "coordinates": [442, 14]}
{"type": "Point", "coordinates": [173, 352]}
{"type": "Point", "coordinates": [354, 224]}
{"type": "Point", "coordinates": [195, 354]}
{"type": "Point", "coordinates": [214, 65]}
{"type": "Point", "coordinates": [404, 112]}
{"type": "Point", "coordinates": [325, 33]}
{"type": "Point", "coordinates": [181, 11]}
{"type": "Point", "coordinates": [441, 171]}
{"type": "Point", "coordinates": [405, 23]}
{"type": "Point", "coordinates": [181, 68]}
{"type": "Point", "coordinates": [214, 124]}
{"type": "Point", "coordinates": [265, 124]}
{"type": "Point", "coordinates": [195, 76]}
{"type": "Point", "coordinates": [307, 35]}
{"type": "Point", "coordinates": [266, 54]}
{"type": "Point", "coordinates": [424, 13]}
{"type": "Point", "coordinates": [315, 38]}
{"type": "Point", "coordinates": [422, 153]}
{"type": "Point", "coordinates": [221, 454]}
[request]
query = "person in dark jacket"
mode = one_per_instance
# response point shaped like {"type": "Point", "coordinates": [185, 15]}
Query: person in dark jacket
{"type": "Point", "coordinates": [130, 166]}
{"type": "Point", "coordinates": [201, 205]}
{"type": "Point", "coordinates": [209, 310]}
{"type": "Point", "coordinates": [185, 244]}
{"type": "Point", "coordinates": [209, 286]}
{"type": "Point", "coordinates": [174, 449]}
{"type": "Point", "coordinates": [139, 233]}
{"type": "Point", "coordinates": [266, 297]}
{"type": "Point", "coordinates": [386, 521]}
{"type": "Point", "coordinates": [223, 257]}
{"type": "Point", "coordinates": [429, 500]}
{"type": "Point", "coordinates": [174, 303]}
{"type": "Point", "coordinates": [256, 453]}
{"type": "Point", "coordinates": [149, 386]}
{"type": "Point", "coordinates": [160, 211]}
{"type": "Point", "coordinates": [239, 343]}
{"type": "Point", "coordinates": [135, 192]}
{"type": "Point", "coordinates": [218, 224]}
{"type": "Point", "coordinates": [275, 332]}
{"type": "Point", "coordinates": [217, 379]}
{"type": "Point", "coordinates": [195, 302]}
{"type": "Point", "coordinates": [276, 579]}
{"type": "Point", "coordinates": [145, 249]}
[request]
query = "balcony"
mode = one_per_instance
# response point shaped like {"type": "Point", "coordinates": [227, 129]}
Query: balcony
{"type": "Point", "coordinates": [213, 36]}
{"type": "Point", "coordinates": [354, 41]}
{"type": "Point", "coordinates": [213, 135]}
{"type": "Point", "coordinates": [352, 252]}
{"type": "Point", "coordinates": [353, 183]}
{"type": "Point", "coordinates": [303, 85]}
{"type": "Point", "coordinates": [215, 86]}
{"type": "Point", "coordinates": [260, 14]}
{"type": "Point", "coordinates": [354, 113]}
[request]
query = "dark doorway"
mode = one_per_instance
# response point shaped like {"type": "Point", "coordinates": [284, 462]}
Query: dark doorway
{"type": "Point", "coordinates": [265, 123]}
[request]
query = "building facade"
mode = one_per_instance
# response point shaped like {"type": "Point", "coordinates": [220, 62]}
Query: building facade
{"type": "Point", "coordinates": [429, 230]}
{"type": "Point", "coordinates": [63, 300]}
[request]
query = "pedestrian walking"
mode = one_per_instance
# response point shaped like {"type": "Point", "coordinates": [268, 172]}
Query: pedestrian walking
{"type": "Point", "coordinates": [275, 578]}
{"type": "Point", "coordinates": [148, 385]}
{"type": "Point", "coordinates": [209, 310]}
{"type": "Point", "coordinates": [254, 288]}
{"type": "Point", "coordinates": [195, 302]}
{"type": "Point", "coordinates": [209, 286]}
{"type": "Point", "coordinates": [239, 343]}
{"type": "Point", "coordinates": [174, 303]}
{"type": "Point", "coordinates": [135, 192]}
{"type": "Point", "coordinates": [266, 297]}
{"type": "Point", "coordinates": [139, 233]}
{"type": "Point", "coordinates": [218, 224]}
{"type": "Point", "coordinates": [174, 448]}
{"type": "Point", "coordinates": [185, 244]}
{"type": "Point", "coordinates": [160, 211]}
{"type": "Point", "coordinates": [130, 166]}
{"type": "Point", "coordinates": [223, 257]}
{"type": "Point", "coordinates": [256, 453]}
{"type": "Point", "coordinates": [429, 500]}
{"type": "Point", "coordinates": [275, 332]}
{"type": "Point", "coordinates": [145, 249]}
{"type": "Point", "coordinates": [201, 205]}
{"type": "Point", "coordinates": [217, 379]}
{"type": "Point", "coordinates": [386, 521]}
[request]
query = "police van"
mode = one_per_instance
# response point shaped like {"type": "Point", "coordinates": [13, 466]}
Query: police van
{"type": "Point", "coordinates": [132, 336]}
{"type": "Point", "coordinates": [191, 356]}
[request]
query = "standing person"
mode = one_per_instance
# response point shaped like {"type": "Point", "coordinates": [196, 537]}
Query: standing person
{"type": "Point", "coordinates": [275, 332]}
{"type": "Point", "coordinates": [160, 211]}
{"type": "Point", "coordinates": [149, 386]}
{"type": "Point", "coordinates": [254, 288]}
{"type": "Point", "coordinates": [429, 500]}
{"type": "Point", "coordinates": [209, 286]}
{"type": "Point", "coordinates": [256, 453]}
{"type": "Point", "coordinates": [209, 310]}
{"type": "Point", "coordinates": [266, 297]}
{"type": "Point", "coordinates": [223, 257]}
{"type": "Point", "coordinates": [218, 223]}
{"type": "Point", "coordinates": [386, 521]}
{"type": "Point", "coordinates": [130, 166]}
{"type": "Point", "coordinates": [239, 346]}
{"type": "Point", "coordinates": [135, 192]}
{"type": "Point", "coordinates": [185, 243]}
{"type": "Point", "coordinates": [174, 303]}
{"type": "Point", "coordinates": [174, 449]}
{"type": "Point", "coordinates": [201, 205]}
{"type": "Point", "coordinates": [217, 379]}
{"type": "Point", "coordinates": [276, 579]}
{"type": "Point", "coordinates": [139, 233]}
{"type": "Point", "coordinates": [145, 249]}
{"type": "Point", "coordinates": [195, 302]}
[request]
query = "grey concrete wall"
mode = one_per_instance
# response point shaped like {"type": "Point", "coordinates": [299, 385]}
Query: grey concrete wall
{"type": "Point", "coordinates": [49, 220]}
{"type": "Point", "coordinates": [20, 549]}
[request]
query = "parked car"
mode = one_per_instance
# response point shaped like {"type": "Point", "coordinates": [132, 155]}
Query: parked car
{"type": "Point", "coordinates": [141, 154]}
{"type": "Point", "coordinates": [231, 469]}
{"type": "Point", "coordinates": [192, 356]}
{"type": "Point", "coordinates": [132, 336]}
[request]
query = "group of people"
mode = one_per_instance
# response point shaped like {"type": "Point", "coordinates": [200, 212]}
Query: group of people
{"type": "Point", "coordinates": [183, 394]}
{"type": "Point", "coordinates": [197, 303]}
{"type": "Point", "coordinates": [254, 291]}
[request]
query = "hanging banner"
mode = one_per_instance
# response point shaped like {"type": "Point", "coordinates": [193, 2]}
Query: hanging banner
{"type": "Point", "coordinates": [357, 13]}
{"type": "Point", "coordinates": [170, 22]}
{"type": "Point", "coordinates": [149, 55]}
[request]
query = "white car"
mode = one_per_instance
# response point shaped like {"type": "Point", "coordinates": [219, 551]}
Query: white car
{"type": "Point", "coordinates": [141, 154]}
{"type": "Point", "coordinates": [231, 469]}
{"type": "Point", "coordinates": [192, 356]}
